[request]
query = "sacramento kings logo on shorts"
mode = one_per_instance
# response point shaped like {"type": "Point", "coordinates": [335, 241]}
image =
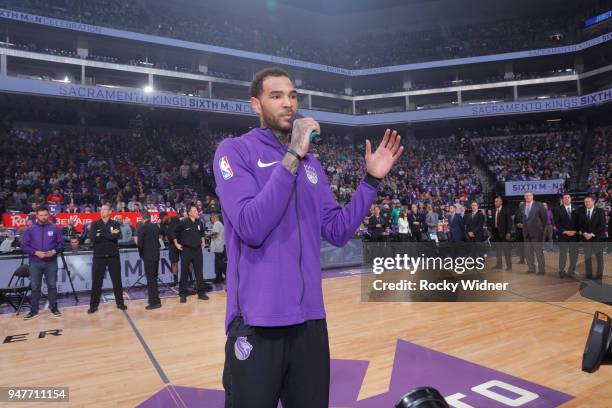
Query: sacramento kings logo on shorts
{"type": "Point", "coordinates": [242, 348]}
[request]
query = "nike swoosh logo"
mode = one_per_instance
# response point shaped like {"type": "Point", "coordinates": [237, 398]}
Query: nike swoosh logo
{"type": "Point", "coordinates": [262, 164]}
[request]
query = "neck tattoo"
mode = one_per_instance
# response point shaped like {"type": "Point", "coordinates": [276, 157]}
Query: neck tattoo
{"type": "Point", "coordinates": [283, 138]}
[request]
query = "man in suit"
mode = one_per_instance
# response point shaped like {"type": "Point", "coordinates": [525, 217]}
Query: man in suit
{"type": "Point", "coordinates": [474, 224]}
{"type": "Point", "coordinates": [474, 230]}
{"type": "Point", "coordinates": [148, 248]}
{"type": "Point", "coordinates": [456, 227]}
{"type": "Point", "coordinates": [566, 220]}
{"type": "Point", "coordinates": [534, 222]}
{"type": "Point", "coordinates": [376, 225]}
{"type": "Point", "coordinates": [415, 221]}
{"type": "Point", "coordinates": [501, 225]}
{"type": "Point", "coordinates": [591, 224]}
{"type": "Point", "coordinates": [431, 220]}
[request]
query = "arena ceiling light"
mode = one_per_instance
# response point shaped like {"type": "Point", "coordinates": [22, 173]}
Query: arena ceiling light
{"type": "Point", "coordinates": [66, 80]}
{"type": "Point", "coordinates": [598, 349]}
{"type": "Point", "coordinates": [148, 88]}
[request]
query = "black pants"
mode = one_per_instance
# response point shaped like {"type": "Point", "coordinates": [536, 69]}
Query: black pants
{"type": "Point", "coordinates": [219, 266]}
{"type": "Point", "coordinates": [98, 270]}
{"type": "Point", "coordinates": [503, 247]}
{"type": "Point", "coordinates": [476, 248]}
{"type": "Point", "coordinates": [288, 363]}
{"type": "Point", "coordinates": [566, 247]}
{"type": "Point", "coordinates": [151, 269]}
{"type": "Point", "coordinates": [194, 257]}
{"type": "Point", "coordinates": [593, 249]}
{"type": "Point", "coordinates": [520, 246]}
{"type": "Point", "coordinates": [535, 245]}
{"type": "Point", "coordinates": [175, 256]}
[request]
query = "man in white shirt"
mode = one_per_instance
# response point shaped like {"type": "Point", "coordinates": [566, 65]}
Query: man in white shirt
{"type": "Point", "coordinates": [217, 246]}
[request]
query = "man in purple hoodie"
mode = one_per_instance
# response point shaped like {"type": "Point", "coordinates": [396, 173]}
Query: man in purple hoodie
{"type": "Point", "coordinates": [42, 241]}
{"type": "Point", "coordinates": [277, 205]}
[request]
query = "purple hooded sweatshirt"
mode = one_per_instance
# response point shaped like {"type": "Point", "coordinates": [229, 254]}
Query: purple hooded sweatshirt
{"type": "Point", "coordinates": [274, 221]}
{"type": "Point", "coordinates": [42, 237]}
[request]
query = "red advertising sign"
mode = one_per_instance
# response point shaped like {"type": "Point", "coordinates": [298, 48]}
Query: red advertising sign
{"type": "Point", "coordinates": [79, 219]}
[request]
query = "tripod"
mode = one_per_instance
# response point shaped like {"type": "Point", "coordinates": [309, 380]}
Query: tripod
{"type": "Point", "coordinates": [65, 264]}
{"type": "Point", "coordinates": [159, 281]}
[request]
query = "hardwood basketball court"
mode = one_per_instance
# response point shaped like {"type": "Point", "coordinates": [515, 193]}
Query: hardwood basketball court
{"type": "Point", "coordinates": [116, 359]}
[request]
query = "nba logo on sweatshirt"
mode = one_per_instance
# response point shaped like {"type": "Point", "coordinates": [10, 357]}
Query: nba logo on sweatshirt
{"type": "Point", "coordinates": [226, 169]}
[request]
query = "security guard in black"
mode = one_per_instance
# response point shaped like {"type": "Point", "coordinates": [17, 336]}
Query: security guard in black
{"type": "Point", "coordinates": [104, 234]}
{"type": "Point", "coordinates": [189, 239]}
{"type": "Point", "coordinates": [148, 249]}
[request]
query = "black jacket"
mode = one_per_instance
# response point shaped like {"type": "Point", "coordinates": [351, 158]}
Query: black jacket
{"type": "Point", "coordinates": [504, 223]}
{"type": "Point", "coordinates": [148, 241]}
{"type": "Point", "coordinates": [376, 232]}
{"type": "Point", "coordinates": [475, 224]}
{"type": "Point", "coordinates": [596, 225]}
{"type": "Point", "coordinates": [415, 229]}
{"type": "Point", "coordinates": [566, 222]}
{"type": "Point", "coordinates": [104, 242]}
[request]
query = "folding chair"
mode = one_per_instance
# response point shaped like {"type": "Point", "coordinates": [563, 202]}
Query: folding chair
{"type": "Point", "coordinates": [16, 293]}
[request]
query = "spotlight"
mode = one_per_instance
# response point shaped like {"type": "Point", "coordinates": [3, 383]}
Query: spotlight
{"type": "Point", "coordinates": [422, 397]}
{"type": "Point", "coordinates": [598, 347]}
{"type": "Point", "coordinates": [148, 88]}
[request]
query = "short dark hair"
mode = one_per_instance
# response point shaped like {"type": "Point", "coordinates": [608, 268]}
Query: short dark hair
{"type": "Point", "coordinates": [41, 209]}
{"type": "Point", "coordinates": [145, 215]}
{"type": "Point", "coordinates": [190, 206]}
{"type": "Point", "coordinates": [258, 80]}
{"type": "Point", "coordinates": [162, 214]}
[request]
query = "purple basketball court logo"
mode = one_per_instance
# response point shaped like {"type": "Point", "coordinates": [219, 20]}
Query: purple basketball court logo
{"type": "Point", "coordinates": [464, 384]}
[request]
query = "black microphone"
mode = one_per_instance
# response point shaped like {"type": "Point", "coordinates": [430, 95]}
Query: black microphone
{"type": "Point", "coordinates": [314, 136]}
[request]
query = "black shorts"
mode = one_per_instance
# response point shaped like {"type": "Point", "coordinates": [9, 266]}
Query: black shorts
{"type": "Point", "coordinates": [173, 254]}
{"type": "Point", "coordinates": [257, 362]}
